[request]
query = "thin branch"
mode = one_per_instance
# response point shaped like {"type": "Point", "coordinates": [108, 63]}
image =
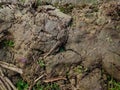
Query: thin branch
{"type": "Point", "coordinates": [10, 83]}
{"type": "Point", "coordinates": [1, 72]}
{"type": "Point", "coordinates": [30, 88]}
{"type": "Point", "coordinates": [39, 78]}
{"type": "Point", "coordinates": [5, 83]}
{"type": "Point", "coordinates": [11, 67]}
{"type": "Point", "coordinates": [2, 85]}
{"type": "Point", "coordinates": [54, 79]}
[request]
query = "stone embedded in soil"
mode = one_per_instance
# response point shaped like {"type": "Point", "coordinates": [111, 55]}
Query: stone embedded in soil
{"type": "Point", "coordinates": [34, 34]}
{"type": "Point", "coordinates": [93, 41]}
{"type": "Point", "coordinates": [37, 33]}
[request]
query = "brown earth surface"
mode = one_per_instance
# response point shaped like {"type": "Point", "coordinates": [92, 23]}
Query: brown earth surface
{"type": "Point", "coordinates": [77, 49]}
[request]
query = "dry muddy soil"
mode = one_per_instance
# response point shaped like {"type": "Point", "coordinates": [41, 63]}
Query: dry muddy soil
{"type": "Point", "coordinates": [59, 47]}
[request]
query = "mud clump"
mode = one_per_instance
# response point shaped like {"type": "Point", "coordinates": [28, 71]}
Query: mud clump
{"type": "Point", "coordinates": [35, 34]}
{"type": "Point", "coordinates": [46, 43]}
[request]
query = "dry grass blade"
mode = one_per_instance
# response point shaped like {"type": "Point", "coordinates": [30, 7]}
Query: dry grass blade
{"type": "Point", "coordinates": [30, 88]}
{"type": "Point", "coordinates": [10, 83]}
{"type": "Point", "coordinates": [1, 73]}
{"type": "Point", "coordinates": [39, 78]}
{"type": "Point", "coordinates": [2, 86]}
{"type": "Point", "coordinates": [5, 83]}
{"type": "Point", "coordinates": [54, 79]}
{"type": "Point", "coordinates": [11, 67]}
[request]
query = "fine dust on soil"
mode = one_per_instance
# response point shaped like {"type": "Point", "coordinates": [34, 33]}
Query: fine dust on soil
{"type": "Point", "coordinates": [76, 50]}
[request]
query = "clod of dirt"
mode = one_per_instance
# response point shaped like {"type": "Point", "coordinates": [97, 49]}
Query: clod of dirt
{"type": "Point", "coordinates": [97, 38]}
{"type": "Point", "coordinates": [91, 43]}
{"type": "Point", "coordinates": [34, 35]}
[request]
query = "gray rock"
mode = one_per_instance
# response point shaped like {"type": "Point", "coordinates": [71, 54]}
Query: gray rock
{"type": "Point", "coordinates": [42, 35]}
{"type": "Point", "coordinates": [33, 34]}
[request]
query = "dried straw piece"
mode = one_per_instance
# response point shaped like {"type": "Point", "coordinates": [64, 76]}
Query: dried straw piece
{"type": "Point", "coordinates": [11, 67]}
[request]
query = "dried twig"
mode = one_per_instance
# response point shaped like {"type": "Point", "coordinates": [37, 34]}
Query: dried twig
{"type": "Point", "coordinates": [30, 88]}
{"type": "Point", "coordinates": [5, 83]}
{"type": "Point", "coordinates": [2, 86]}
{"type": "Point", "coordinates": [10, 83]}
{"type": "Point", "coordinates": [1, 73]}
{"type": "Point", "coordinates": [11, 67]}
{"type": "Point", "coordinates": [52, 49]}
{"type": "Point", "coordinates": [54, 79]}
{"type": "Point", "coordinates": [39, 78]}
